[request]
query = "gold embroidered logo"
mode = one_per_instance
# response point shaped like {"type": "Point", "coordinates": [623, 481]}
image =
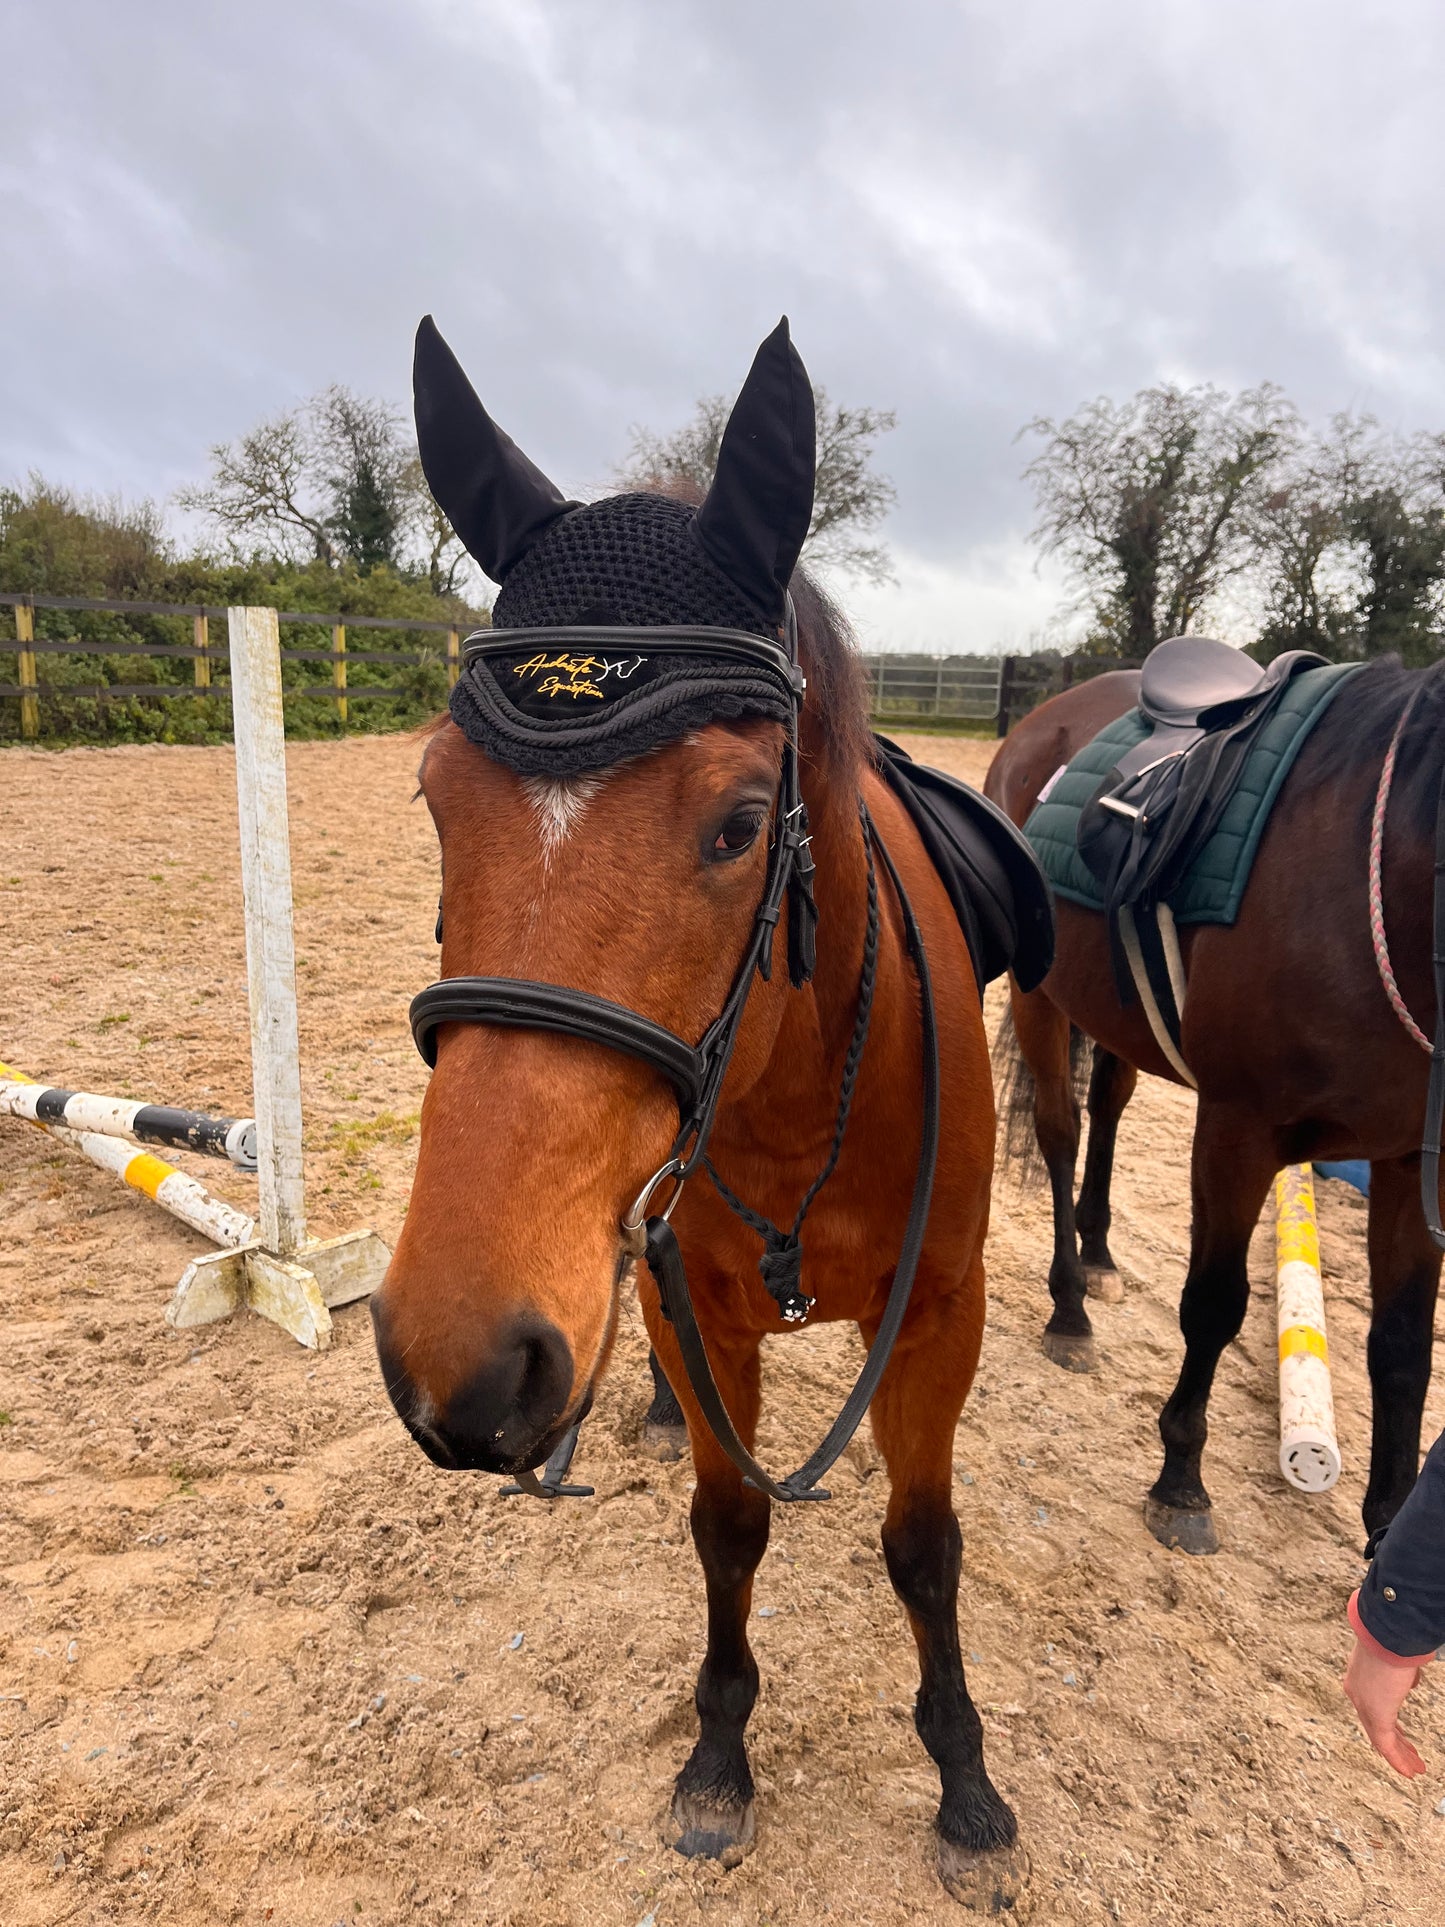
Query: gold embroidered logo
{"type": "Point", "coordinates": [576, 676]}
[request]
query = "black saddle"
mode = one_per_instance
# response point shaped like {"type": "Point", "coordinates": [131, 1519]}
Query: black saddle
{"type": "Point", "coordinates": [1193, 687]}
{"type": "Point", "coordinates": [1163, 799]}
{"type": "Point", "coordinates": [994, 880]}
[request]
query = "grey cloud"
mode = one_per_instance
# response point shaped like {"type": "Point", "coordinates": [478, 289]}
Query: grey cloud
{"type": "Point", "coordinates": [972, 214]}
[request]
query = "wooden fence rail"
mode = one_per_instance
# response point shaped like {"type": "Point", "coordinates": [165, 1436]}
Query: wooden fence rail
{"type": "Point", "coordinates": [205, 656]}
{"type": "Point", "coordinates": [929, 691]}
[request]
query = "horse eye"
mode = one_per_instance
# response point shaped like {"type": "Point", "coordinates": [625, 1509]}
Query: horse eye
{"type": "Point", "coordinates": [738, 833]}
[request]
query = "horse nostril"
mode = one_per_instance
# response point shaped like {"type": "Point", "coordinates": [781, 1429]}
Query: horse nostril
{"type": "Point", "coordinates": [499, 1416]}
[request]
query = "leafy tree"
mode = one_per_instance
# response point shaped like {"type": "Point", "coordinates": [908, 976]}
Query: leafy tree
{"type": "Point", "coordinates": [1353, 545]}
{"type": "Point", "coordinates": [1303, 527]}
{"type": "Point", "coordinates": [1154, 503]}
{"type": "Point", "coordinates": [849, 499]}
{"type": "Point", "coordinates": [364, 471]}
{"type": "Point", "coordinates": [53, 542]}
{"type": "Point", "coordinates": [1396, 515]}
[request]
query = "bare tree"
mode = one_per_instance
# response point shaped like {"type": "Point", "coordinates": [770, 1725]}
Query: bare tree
{"type": "Point", "coordinates": [440, 553]}
{"type": "Point", "coordinates": [335, 480]}
{"type": "Point", "coordinates": [1154, 502]}
{"type": "Point", "coordinates": [849, 497]}
{"type": "Point", "coordinates": [265, 485]}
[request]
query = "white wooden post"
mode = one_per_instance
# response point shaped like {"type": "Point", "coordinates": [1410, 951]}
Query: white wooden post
{"type": "Point", "coordinates": [270, 947]}
{"type": "Point", "coordinates": [282, 1275]}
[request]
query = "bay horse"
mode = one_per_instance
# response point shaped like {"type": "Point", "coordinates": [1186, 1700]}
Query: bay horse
{"type": "Point", "coordinates": [638, 882]}
{"type": "Point", "coordinates": [1297, 1052]}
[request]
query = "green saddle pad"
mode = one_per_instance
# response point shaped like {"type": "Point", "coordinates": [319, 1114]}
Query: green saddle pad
{"type": "Point", "coordinates": [1213, 885]}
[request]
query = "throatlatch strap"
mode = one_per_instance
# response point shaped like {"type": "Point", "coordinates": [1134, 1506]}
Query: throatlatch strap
{"type": "Point", "coordinates": [664, 1259]}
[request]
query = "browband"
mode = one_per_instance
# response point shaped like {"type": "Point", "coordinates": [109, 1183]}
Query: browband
{"type": "Point", "coordinates": [685, 640]}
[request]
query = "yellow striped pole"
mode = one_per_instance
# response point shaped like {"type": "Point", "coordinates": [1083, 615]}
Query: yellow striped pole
{"type": "Point", "coordinates": [1309, 1451]}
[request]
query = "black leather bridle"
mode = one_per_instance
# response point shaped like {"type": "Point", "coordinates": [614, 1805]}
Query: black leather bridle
{"type": "Point", "coordinates": [696, 1071]}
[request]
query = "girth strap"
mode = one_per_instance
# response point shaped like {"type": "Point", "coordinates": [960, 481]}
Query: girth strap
{"type": "Point", "coordinates": [664, 1259]}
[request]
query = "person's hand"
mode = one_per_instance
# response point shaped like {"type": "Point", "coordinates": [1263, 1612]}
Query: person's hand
{"type": "Point", "coordinates": [1377, 1690]}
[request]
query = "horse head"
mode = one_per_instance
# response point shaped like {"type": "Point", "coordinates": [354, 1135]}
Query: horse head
{"type": "Point", "coordinates": [606, 825]}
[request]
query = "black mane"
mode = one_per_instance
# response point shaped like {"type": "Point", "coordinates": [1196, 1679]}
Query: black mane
{"type": "Point", "coordinates": [1356, 732]}
{"type": "Point", "coordinates": [836, 724]}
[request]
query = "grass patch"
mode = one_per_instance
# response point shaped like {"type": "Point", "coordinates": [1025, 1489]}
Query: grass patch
{"type": "Point", "coordinates": [119, 1017]}
{"type": "Point", "coordinates": [6, 1418]}
{"type": "Point", "coordinates": [354, 1140]}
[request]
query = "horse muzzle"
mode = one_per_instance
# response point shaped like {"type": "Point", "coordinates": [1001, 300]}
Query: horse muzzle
{"type": "Point", "coordinates": [506, 1415]}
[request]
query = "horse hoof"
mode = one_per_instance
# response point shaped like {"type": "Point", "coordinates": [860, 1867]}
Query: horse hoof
{"type": "Point", "coordinates": [993, 1883]}
{"type": "Point", "coordinates": [708, 1830]}
{"type": "Point", "coordinates": [1181, 1530]}
{"type": "Point", "coordinates": [1104, 1283]}
{"type": "Point", "coordinates": [664, 1442]}
{"type": "Point", "coordinates": [1072, 1351]}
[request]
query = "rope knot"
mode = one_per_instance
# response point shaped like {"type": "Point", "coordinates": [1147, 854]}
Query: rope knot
{"type": "Point", "coordinates": [781, 1266]}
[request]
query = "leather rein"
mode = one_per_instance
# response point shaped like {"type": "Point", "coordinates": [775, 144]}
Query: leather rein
{"type": "Point", "coordinates": [697, 1072]}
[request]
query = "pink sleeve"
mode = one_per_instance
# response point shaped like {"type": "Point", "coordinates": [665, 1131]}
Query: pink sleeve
{"type": "Point", "coordinates": [1372, 1645]}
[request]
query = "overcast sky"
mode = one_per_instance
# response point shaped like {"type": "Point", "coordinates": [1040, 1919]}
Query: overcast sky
{"type": "Point", "coordinates": [972, 213]}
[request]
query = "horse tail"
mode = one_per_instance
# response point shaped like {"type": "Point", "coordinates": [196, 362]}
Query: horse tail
{"type": "Point", "coordinates": [1019, 1156]}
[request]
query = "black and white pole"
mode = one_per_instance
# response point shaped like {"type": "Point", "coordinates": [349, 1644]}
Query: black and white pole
{"type": "Point", "coordinates": [216, 1137]}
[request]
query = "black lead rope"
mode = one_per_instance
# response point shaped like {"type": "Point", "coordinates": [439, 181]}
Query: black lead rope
{"type": "Point", "coordinates": [664, 1259]}
{"type": "Point", "coordinates": [1435, 1097]}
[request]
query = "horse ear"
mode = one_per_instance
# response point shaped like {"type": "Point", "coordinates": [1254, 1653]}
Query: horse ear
{"type": "Point", "coordinates": [756, 515]}
{"type": "Point", "coordinates": [498, 502]}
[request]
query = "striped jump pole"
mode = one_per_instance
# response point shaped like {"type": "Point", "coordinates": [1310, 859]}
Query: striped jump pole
{"type": "Point", "coordinates": [216, 1137]}
{"type": "Point", "coordinates": [175, 1191]}
{"type": "Point", "coordinates": [1309, 1452]}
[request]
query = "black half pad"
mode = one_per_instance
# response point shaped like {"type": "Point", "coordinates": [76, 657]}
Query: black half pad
{"type": "Point", "coordinates": [994, 881]}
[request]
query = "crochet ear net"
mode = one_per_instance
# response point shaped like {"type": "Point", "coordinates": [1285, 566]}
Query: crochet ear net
{"type": "Point", "coordinates": [755, 518]}
{"type": "Point", "coordinates": [752, 524]}
{"type": "Point", "coordinates": [498, 502]}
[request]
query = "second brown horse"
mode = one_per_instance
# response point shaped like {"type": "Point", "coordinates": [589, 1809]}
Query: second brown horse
{"type": "Point", "coordinates": [1297, 1053]}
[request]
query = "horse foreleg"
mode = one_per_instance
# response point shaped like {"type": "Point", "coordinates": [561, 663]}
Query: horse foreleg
{"type": "Point", "coordinates": [1404, 1280]}
{"type": "Point", "coordinates": [1111, 1085]}
{"type": "Point", "coordinates": [712, 1802]}
{"type": "Point", "coordinates": [1234, 1163]}
{"type": "Point", "coordinates": [664, 1430]}
{"type": "Point", "coordinates": [914, 1415]}
{"type": "Point", "coordinates": [1043, 1036]}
